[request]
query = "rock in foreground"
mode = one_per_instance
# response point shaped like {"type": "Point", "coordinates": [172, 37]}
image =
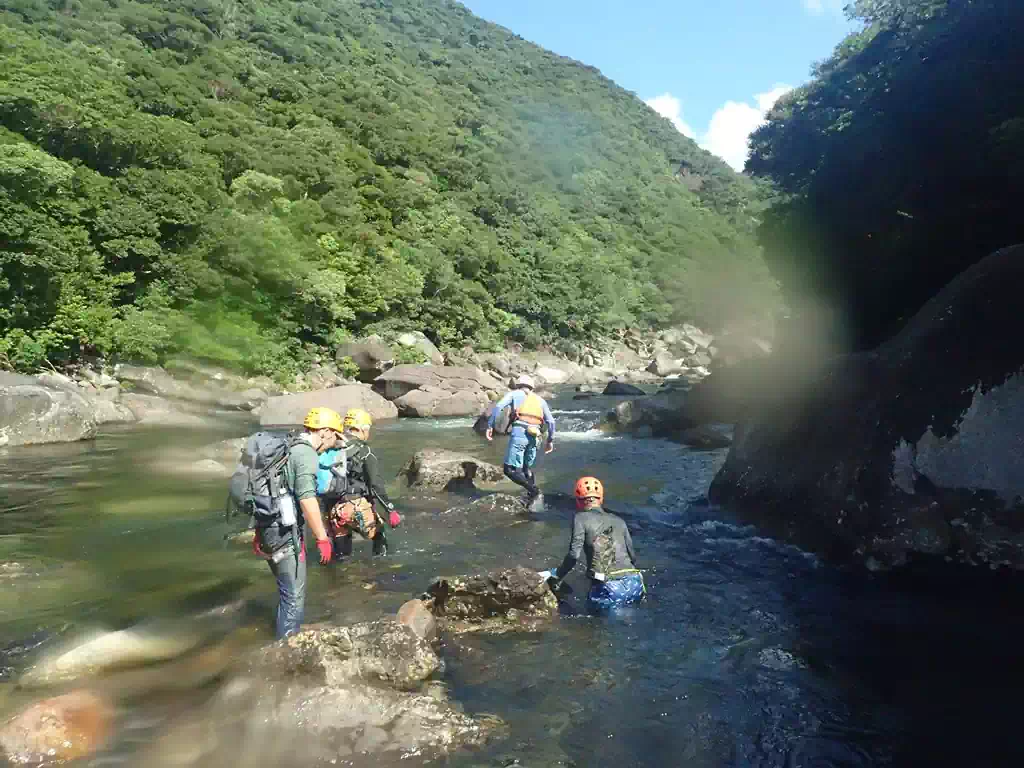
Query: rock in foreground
{"type": "Point", "coordinates": [382, 651]}
{"type": "Point", "coordinates": [436, 468]}
{"type": "Point", "coordinates": [916, 447]}
{"type": "Point", "coordinates": [31, 413]}
{"type": "Point", "coordinates": [495, 602]}
{"type": "Point", "coordinates": [62, 728]}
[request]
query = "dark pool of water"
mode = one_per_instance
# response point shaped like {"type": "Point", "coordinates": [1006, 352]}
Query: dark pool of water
{"type": "Point", "coordinates": [747, 652]}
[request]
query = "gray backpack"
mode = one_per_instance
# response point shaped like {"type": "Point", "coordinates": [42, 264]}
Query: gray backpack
{"type": "Point", "coordinates": [258, 482]}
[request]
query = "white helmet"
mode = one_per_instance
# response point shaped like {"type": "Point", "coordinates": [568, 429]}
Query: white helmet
{"type": "Point", "coordinates": [526, 381]}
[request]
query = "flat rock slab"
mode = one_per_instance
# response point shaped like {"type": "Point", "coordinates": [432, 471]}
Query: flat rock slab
{"type": "Point", "coordinates": [436, 468]}
{"type": "Point", "coordinates": [292, 409]}
{"type": "Point", "coordinates": [500, 601]}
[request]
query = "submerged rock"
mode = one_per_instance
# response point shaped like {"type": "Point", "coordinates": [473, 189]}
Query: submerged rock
{"type": "Point", "coordinates": [495, 602]}
{"type": "Point", "coordinates": [705, 438]}
{"type": "Point", "coordinates": [63, 728]}
{"type": "Point", "coordinates": [912, 448]}
{"type": "Point", "coordinates": [436, 468]}
{"type": "Point", "coordinates": [494, 505]}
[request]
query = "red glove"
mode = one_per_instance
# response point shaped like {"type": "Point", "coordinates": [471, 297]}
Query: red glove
{"type": "Point", "coordinates": [256, 545]}
{"type": "Point", "coordinates": [326, 550]}
{"type": "Point", "coordinates": [394, 519]}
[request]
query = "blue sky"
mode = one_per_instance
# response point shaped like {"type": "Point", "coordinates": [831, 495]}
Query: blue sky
{"type": "Point", "coordinates": [712, 66]}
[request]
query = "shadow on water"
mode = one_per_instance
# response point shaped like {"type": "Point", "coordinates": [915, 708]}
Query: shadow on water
{"type": "Point", "coordinates": [746, 653]}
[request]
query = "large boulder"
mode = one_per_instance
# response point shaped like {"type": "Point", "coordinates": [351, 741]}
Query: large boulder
{"type": "Point", "coordinates": [664, 414]}
{"type": "Point", "coordinates": [31, 413]}
{"type": "Point", "coordinates": [371, 356]}
{"type": "Point", "coordinates": [292, 409]}
{"type": "Point", "coordinates": [431, 391]}
{"type": "Point", "coordinates": [418, 340]}
{"type": "Point", "coordinates": [436, 468]}
{"type": "Point", "coordinates": [499, 601]}
{"type": "Point", "coordinates": [63, 728]}
{"type": "Point", "coordinates": [914, 448]}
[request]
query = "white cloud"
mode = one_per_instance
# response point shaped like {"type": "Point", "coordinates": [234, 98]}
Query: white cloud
{"type": "Point", "coordinates": [729, 131]}
{"type": "Point", "coordinates": [669, 106]}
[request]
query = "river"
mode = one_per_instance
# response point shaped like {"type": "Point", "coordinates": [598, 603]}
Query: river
{"type": "Point", "coordinates": [747, 652]}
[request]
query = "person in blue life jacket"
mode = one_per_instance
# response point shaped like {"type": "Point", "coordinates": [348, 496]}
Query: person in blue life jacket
{"type": "Point", "coordinates": [604, 538]}
{"type": "Point", "coordinates": [352, 509]}
{"type": "Point", "coordinates": [529, 413]}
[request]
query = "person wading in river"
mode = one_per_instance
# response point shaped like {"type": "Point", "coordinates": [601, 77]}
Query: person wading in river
{"type": "Point", "coordinates": [353, 509]}
{"type": "Point", "coordinates": [282, 542]}
{"type": "Point", "coordinates": [529, 412]}
{"type": "Point", "coordinates": [604, 538]}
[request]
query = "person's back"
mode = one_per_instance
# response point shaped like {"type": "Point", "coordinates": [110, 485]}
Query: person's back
{"type": "Point", "coordinates": [603, 537]}
{"type": "Point", "coordinates": [604, 543]}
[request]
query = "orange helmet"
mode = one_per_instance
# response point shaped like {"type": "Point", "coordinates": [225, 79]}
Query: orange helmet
{"type": "Point", "coordinates": [588, 488]}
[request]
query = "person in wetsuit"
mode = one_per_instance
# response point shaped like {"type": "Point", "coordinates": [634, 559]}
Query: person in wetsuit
{"type": "Point", "coordinates": [355, 510]}
{"type": "Point", "coordinates": [530, 412]}
{"type": "Point", "coordinates": [604, 538]}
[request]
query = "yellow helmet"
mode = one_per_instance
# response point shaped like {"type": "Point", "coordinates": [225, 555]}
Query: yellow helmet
{"type": "Point", "coordinates": [357, 418]}
{"type": "Point", "coordinates": [323, 418]}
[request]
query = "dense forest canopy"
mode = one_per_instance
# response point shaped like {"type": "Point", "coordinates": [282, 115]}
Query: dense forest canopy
{"type": "Point", "coordinates": [242, 181]}
{"type": "Point", "coordinates": [901, 163]}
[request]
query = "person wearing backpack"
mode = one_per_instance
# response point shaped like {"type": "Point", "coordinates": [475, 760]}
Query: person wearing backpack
{"type": "Point", "coordinates": [529, 412]}
{"type": "Point", "coordinates": [604, 538]}
{"type": "Point", "coordinates": [351, 486]}
{"type": "Point", "coordinates": [276, 478]}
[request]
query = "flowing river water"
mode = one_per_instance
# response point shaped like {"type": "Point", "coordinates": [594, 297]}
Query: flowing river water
{"type": "Point", "coordinates": [747, 652]}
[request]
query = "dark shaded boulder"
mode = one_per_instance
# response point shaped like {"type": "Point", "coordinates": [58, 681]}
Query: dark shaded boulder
{"type": "Point", "coordinates": [704, 438]}
{"type": "Point", "coordinates": [495, 602]}
{"type": "Point", "coordinates": [913, 448]}
{"type": "Point", "coordinates": [437, 468]}
{"type": "Point", "coordinates": [31, 413]}
{"type": "Point", "coordinates": [622, 389]}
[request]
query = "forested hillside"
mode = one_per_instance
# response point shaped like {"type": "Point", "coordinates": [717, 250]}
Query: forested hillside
{"type": "Point", "coordinates": [247, 182]}
{"type": "Point", "coordinates": [902, 162]}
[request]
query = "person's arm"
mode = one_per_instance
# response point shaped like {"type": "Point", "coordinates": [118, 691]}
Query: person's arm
{"type": "Point", "coordinates": [549, 421]}
{"type": "Point", "coordinates": [373, 480]}
{"type": "Point", "coordinates": [575, 550]}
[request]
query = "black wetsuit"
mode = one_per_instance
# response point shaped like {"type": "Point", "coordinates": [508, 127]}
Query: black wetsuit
{"type": "Point", "coordinates": [590, 526]}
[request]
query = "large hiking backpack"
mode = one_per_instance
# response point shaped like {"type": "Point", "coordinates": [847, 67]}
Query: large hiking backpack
{"type": "Point", "coordinates": [258, 486]}
{"type": "Point", "coordinates": [332, 472]}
